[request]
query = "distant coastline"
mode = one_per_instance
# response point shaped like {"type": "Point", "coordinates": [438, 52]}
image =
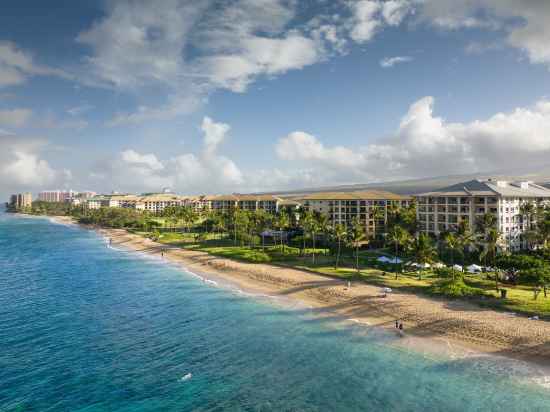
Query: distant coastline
{"type": "Point", "coordinates": [455, 322]}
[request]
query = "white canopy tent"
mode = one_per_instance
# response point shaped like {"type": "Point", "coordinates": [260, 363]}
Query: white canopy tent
{"type": "Point", "coordinates": [385, 259]}
{"type": "Point", "coordinates": [474, 268]}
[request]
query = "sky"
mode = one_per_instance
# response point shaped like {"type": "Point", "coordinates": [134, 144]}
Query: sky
{"type": "Point", "coordinates": [206, 96]}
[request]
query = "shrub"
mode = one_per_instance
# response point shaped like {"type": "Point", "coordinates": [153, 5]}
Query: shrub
{"type": "Point", "coordinates": [454, 289]}
{"type": "Point", "coordinates": [447, 273]}
{"type": "Point", "coordinates": [520, 262]}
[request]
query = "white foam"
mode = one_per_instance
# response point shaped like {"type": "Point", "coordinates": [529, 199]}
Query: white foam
{"type": "Point", "coordinates": [186, 377]}
{"type": "Point", "coordinates": [359, 321]}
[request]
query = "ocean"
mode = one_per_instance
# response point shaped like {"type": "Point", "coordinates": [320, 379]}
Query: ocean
{"type": "Point", "coordinates": [88, 328]}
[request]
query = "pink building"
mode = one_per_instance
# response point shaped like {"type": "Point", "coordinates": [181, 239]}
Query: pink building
{"type": "Point", "coordinates": [57, 195]}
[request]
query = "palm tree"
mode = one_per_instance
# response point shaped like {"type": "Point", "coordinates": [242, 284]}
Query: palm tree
{"type": "Point", "coordinates": [376, 214]}
{"type": "Point", "coordinates": [340, 233]}
{"type": "Point", "coordinates": [324, 227]}
{"type": "Point", "coordinates": [283, 221]}
{"type": "Point", "coordinates": [490, 245]}
{"type": "Point", "coordinates": [358, 235]}
{"type": "Point", "coordinates": [486, 222]}
{"type": "Point", "coordinates": [399, 237]}
{"type": "Point", "coordinates": [453, 244]}
{"type": "Point", "coordinates": [424, 250]}
{"type": "Point", "coordinates": [543, 227]}
{"type": "Point", "coordinates": [467, 240]}
{"type": "Point", "coordinates": [527, 211]}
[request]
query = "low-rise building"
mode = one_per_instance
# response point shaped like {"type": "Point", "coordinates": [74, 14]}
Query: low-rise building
{"type": "Point", "coordinates": [370, 207]}
{"type": "Point", "coordinates": [98, 202]}
{"type": "Point", "coordinates": [444, 209]}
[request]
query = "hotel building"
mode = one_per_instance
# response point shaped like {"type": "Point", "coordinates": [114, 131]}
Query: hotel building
{"type": "Point", "coordinates": [228, 203]}
{"type": "Point", "coordinates": [21, 201]}
{"type": "Point", "coordinates": [443, 210]}
{"type": "Point", "coordinates": [158, 202]}
{"type": "Point", "coordinates": [57, 195]}
{"type": "Point", "coordinates": [343, 207]}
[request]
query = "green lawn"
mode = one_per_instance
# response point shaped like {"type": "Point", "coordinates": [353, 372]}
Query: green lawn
{"type": "Point", "coordinates": [520, 298]}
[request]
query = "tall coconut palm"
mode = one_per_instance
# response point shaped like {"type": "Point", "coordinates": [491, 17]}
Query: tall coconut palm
{"type": "Point", "coordinates": [467, 240]}
{"type": "Point", "coordinates": [398, 236]}
{"type": "Point", "coordinates": [527, 210]}
{"type": "Point", "coordinates": [283, 220]}
{"type": "Point", "coordinates": [313, 229]}
{"type": "Point", "coordinates": [324, 227]}
{"type": "Point", "coordinates": [486, 222]}
{"type": "Point", "coordinates": [424, 250]}
{"type": "Point", "coordinates": [491, 243]}
{"type": "Point", "coordinates": [543, 228]}
{"type": "Point", "coordinates": [453, 244]}
{"type": "Point", "coordinates": [340, 233]}
{"type": "Point", "coordinates": [377, 213]}
{"type": "Point", "coordinates": [358, 236]}
{"type": "Point", "coordinates": [305, 222]}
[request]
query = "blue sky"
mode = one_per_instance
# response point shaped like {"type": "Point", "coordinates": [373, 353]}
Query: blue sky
{"type": "Point", "coordinates": [247, 95]}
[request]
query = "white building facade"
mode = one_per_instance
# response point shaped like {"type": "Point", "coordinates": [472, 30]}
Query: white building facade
{"type": "Point", "coordinates": [443, 210]}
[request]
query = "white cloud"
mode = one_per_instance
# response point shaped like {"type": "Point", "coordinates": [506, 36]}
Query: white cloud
{"type": "Point", "coordinates": [388, 62]}
{"type": "Point", "coordinates": [366, 20]}
{"type": "Point", "coordinates": [524, 21]}
{"type": "Point", "coordinates": [81, 109]}
{"type": "Point", "coordinates": [134, 158]}
{"type": "Point", "coordinates": [22, 167]}
{"type": "Point", "coordinates": [424, 145]}
{"type": "Point", "coordinates": [176, 106]}
{"type": "Point", "coordinates": [16, 65]}
{"type": "Point", "coordinates": [370, 16]}
{"type": "Point", "coordinates": [15, 117]}
{"type": "Point", "coordinates": [394, 11]}
{"type": "Point", "coordinates": [205, 171]}
{"type": "Point", "coordinates": [214, 133]}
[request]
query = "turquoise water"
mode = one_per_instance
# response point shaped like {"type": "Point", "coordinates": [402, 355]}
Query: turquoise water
{"type": "Point", "coordinates": [84, 327]}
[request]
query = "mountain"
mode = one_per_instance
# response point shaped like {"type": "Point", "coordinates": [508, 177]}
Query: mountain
{"type": "Point", "coordinates": [415, 186]}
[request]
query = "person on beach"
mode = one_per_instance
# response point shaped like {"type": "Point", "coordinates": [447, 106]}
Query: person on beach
{"type": "Point", "coordinates": [396, 324]}
{"type": "Point", "coordinates": [110, 241]}
{"type": "Point", "coordinates": [401, 327]}
{"type": "Point", "coordinates": [162, 254]}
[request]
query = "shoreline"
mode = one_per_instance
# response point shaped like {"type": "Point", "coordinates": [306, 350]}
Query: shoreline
{"type": "Point", "coordinates": [460, 325]}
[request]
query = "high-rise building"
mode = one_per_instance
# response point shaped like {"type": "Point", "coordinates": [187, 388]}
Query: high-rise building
{"type": "Point", "coordinates": [57, 195]}
{"type": "Point", "coordinates": [21, 201]}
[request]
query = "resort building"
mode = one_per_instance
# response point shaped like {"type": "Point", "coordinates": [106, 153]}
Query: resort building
{"type": "Point", "coordinates": [199, 203]}
{"type": "Point", "coordinates": [443, 210]}
{"type": "Point", "coordinates": [370, 207]}
{"type": "Point", "coordinates": [98, 202]}
{"type": "Point", "coordinates": [20, 201]}
{"type": "Point", "coordinates": [57, 195]}
{"type": "Point", "coordinates": [228, 203]}
{"type": "Point", "coordinates": [126, 201]}
{"type": "Point", "coordinates": [156, 203]}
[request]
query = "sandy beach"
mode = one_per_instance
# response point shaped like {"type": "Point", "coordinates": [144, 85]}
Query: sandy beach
{"type": "Point", "coordinates": [450, 322]}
